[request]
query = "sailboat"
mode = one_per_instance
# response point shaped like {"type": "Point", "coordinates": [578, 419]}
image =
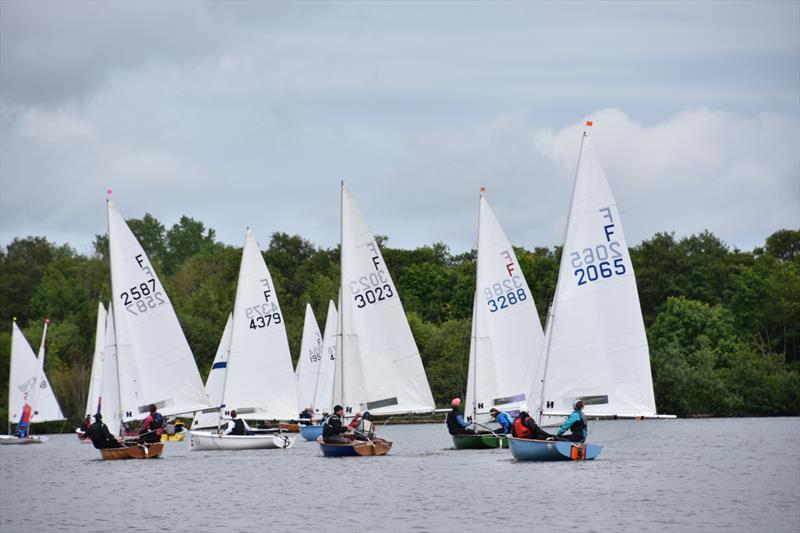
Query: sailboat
{"type": "Point", "coordinates": [378, 366]}
{"type": "Point", "coordinates": [259, 381]}
{"type": "Point", "coordinates": [147, 359]}
{"type": "Point", "coordinates": [215, 381]}
{"type": "Point", "coordinates": [322, 398]}
{"type": "Point", "coordinates": [30, 397]}
{"type": "Point", "coordinates": [507, 338]}
{"type": "Point", "coordinates": [596, 348]}
{"type": "Point", "coordinates": [95, 379]}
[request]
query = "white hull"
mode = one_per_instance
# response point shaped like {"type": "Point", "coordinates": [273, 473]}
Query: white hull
{"type": "Point", "coordinates": [10, 439]}
{"type": "Point", "coordinates": [206, 440]}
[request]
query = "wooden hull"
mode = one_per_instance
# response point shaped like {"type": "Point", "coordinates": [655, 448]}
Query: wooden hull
{"type": "Point", "coordinates": [12, 440]}
{"type": "Point", "coordinates": [540, 450]}
{"type": "Point", "coordinates": [357, 448]}
{"type": "Point", "coordinates": [134, 451]}
{"type": "Point", "coordinates": [481, 441]}
{"type": "Point", "coordinates": [206, 440]}
{"type": "Point", "coordinates": [289, 427]}
{"type": "Point", "coordinates": [311, 433]}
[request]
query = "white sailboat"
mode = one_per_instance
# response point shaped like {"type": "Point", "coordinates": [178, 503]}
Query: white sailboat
{"type": "Point", "coordinates": [378, 365]}
{"type": "Point", "coordinates": [596, 348]}
{"type": "Point", "coordinates": [322, 399]}
{"type": "Point", "coordinates": [30, 396]}
{"type": "Point", "coordinates": [507, 338]}
{"type": "Point", "coordinates": [154, 362]}
{"type": "Point", "coordinates": [308, 362]}
{"type": "Point", "coordinates": [259, 381]}
{"type": "Point", "coordinates": [215, 381]}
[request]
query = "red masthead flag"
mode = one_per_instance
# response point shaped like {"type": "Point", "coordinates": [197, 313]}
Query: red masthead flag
{"type": "Point", "coordinates": [589, 123]}
{"type": "Point", "coordinates": [483, 189]}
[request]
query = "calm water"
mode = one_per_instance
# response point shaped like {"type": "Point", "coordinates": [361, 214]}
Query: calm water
{"type": "Point", "coordinates": [678, 475]}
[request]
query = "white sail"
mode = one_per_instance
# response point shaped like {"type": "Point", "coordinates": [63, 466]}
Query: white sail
{"type": "Point", "coordinates": [597, 347]}
{"type": "Point", "coordinates": [323, 394]}
{"type": "Point", "coordinates": [308, 362]}
{"type": "Point", "coordinates": [216, 380]}
{"type": "Point", "coordinates": [507, 339]}
{"type": "Point", "coordinates": [379, 368]}
{"type": "Point", "coordinates": [109, 399]}
{"type": "Point", "coordinates": [96, 378]}
{"type": "Point", "coordinates": [260, 381]}
{"type": "Point", "coordinates": [25, 372]}
{"type": "Point", "coordinates": [155, 362]}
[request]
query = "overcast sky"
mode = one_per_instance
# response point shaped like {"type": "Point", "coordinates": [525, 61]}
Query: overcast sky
{"type": "Point", "coordinates": [249, 114]}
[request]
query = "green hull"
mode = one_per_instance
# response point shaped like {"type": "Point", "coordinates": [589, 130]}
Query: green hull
{"type": "Point", "coordinates": [478, 442]}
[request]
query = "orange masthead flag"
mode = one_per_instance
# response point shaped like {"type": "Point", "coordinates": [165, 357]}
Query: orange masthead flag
{"type": "Point", "coordinates": [589, 123]}
{"type": "Point", "coordinates": [483, 189]}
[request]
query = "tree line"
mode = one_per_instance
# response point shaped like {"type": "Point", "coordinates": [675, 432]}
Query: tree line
{"type": "Point", "coordinates": [723, 324]}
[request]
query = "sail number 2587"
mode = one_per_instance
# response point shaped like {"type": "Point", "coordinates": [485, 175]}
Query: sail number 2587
{"type": "Point", "coordinates": [142, 297]}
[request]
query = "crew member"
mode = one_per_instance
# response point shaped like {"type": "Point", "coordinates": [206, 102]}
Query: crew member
{"type": "Point", "coordinates": [526, 428]}
{"type": "Point", "coordinates": [237, 426]}
{"type": "Point", "coordinates": [333, 431]}
{"type": "Point", "coordinates": [456, 424]}
{"type": "Point", "coordinates": [153, 426]}
{"type": "Point", "coordinates": [100, 435]}
{"type": "Point", "coordinates": [575, 424]}
{"type": "Point", "coordinates": [503, 419]}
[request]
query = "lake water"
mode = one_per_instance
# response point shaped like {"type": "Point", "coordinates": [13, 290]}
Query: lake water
{"type": "Point", "coordinates": [670, 475]}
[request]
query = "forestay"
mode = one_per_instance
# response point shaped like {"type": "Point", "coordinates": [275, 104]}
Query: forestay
{"type": "Point", "coordinates": [26, 370]}
{"type": "Point", "coordinates": [154, 357]}
{"type": "Point", "coordinates": [96, 378]}
{"type": "Point", "coordinates": [308, 363]}
{"type": "Point", "coordinates": [597, 344]}
{"type": "Point", "coordinates": [379, 367]}
{"type": "Point", "coordinates": [216, 380]}
{"type": "Point", "coordinates": [507, 339]}
{"type": "Point", "coordinates": [260, 381]}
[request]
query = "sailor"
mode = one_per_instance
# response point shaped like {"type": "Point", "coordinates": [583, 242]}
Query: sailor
{"type": "Point", "coordinates": [237, 426]}
{"type": "Point", "coordinates": [575, 423]}
{"type": "Point", "coordinates": [456, 424]}
{"type": "Point", "coordinates": [526, 428]}
{"type": "Point", "coordinates": [153, 426]}
{"type": "Point", "coordinates": [503, 419]}
{"type": "Point", "coordinates": [100, 436]}
{"type": "Point", "coordinates": [307, 415]}
{"type": "Point", "coordinates": [86, 424]}
{"type": "Point", "coordinates": [333, 430]}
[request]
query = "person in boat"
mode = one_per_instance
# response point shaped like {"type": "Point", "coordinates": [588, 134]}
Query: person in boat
{"type": "Point", "coordinates": [575, 424]}
{"type": "Point", "coordinates": [100, 436]}
{"type": "Point", "coordinates": [503, 418]}
{"type": "Point", "coordinates": [456, 424]}
{"type": "Point", "coordinates": [153, 426]}
{"type": "Point", "coordinates": [86, 424]}
{"type": "Point", "coordinates": [333, 431]}
{"type": "Point", "coordinates": [307, 416]}
{"type": "Point", "coordinates": [237, 426]}
{"type": "Point", "coordinates": [525, 427]}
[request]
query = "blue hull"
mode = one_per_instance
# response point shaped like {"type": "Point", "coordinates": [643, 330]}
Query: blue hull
{"type": "Point", "coordinates": [540, 450]}
{"type": "Point", "coordinates": [337, 450]}
{"type": "Point", "coordinates": [311, 433]}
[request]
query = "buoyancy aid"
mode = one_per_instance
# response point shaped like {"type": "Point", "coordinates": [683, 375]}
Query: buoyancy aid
{"type": "Point", "coordinates": [521, 431]}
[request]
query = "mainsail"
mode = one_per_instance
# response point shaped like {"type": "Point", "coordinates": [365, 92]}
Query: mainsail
{"type": "Point", "coordinates": [308, 362]}
{"type": "Point", "coordinates": [323, 393]}
{"type": "Point", "coordinates": [96, 378]}
{"type": "Point", "coordinates": [597, 348]}
{"type": "Point", "coordinates": [259, 381]}
{"type": "Point", "coordinates": [378, 365]}
{"type": "Point", "coordinates": [507, 340]}
{"type": "Point", "coordinates": [156, 365]}
{"type": "Point", "coordinates": [27, 383]}
{"type": "Point", "coordinates": [109, 398]}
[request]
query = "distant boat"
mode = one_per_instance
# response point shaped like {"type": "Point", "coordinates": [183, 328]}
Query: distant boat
{"type": "Point", "coordinates": [308, 362]}
{"type": "Point", "coordinates": [507, 338]}
{"type": "Point", "coordinates": [258, 380]}
{"type": "Point", "coordinates": [322, 398]}
{"type": "Point", "coordinates": [378, 366]}
{"type": "Point", "coordinates": [30, 397]}
{"type": "Point", "coordinates": [215, 381]}
{"type": "Point", "coordinates": [96, 378]}
{"type": "Point", "coordinates": [147, 359]}
{"type": "Point", "coordinates": [596, 347]}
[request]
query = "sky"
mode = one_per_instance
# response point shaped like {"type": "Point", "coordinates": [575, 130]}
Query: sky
{"type": "Point", "coordinates": [251, 113]}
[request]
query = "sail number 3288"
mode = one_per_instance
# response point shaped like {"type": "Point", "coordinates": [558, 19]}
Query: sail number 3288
{"type": "Point", "coordinates": [504, 294]}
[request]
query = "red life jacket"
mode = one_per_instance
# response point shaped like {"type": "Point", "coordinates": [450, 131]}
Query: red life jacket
{"type": "Point", "coordinates": [521, 431]}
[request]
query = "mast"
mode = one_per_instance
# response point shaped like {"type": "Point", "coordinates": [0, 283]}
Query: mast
{"type": "Point", "coordinates": [554, 305]}
{"type": "Point", "coordinates": [340, 317]}
{"type": "Point", "coordinates": [39, 370]}
{"type": "Point", "coordinates": [114, 315]}
{"type": "Point", "coordinates": [10, 387]}
{"type": "Point", "coordinates": [475, 318]}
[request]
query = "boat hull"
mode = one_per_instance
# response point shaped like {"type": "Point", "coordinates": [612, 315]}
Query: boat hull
{"type": "Point", "coordinates": [135, 451]}
{"type": "Point", "coordinates": [177, 437]}
{"type": "Point", "coordinates": [541, 450]}
{"type": "Point", "coordinates": [206, 440]}
{"type": "Point", "coordinates": [479, 442]}
{"type": "Point", "coordinates": [289, 427]}
{"type": "Point", "coordinates": [357, 448]}
{"type": "Point", "coordinates": [311, 433]}
{"type": "Point", "coordinates": [12, 440]}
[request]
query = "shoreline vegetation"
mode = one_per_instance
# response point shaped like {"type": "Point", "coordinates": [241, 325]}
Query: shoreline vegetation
{"type": "Point", "coordinates": [723, 324]}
